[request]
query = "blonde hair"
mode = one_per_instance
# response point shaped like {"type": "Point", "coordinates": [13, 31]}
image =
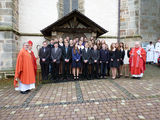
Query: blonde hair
{"type": "Point", "coordinates": [125, 47]}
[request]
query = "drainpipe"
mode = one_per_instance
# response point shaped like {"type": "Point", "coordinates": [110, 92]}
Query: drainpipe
{"type": "Point", "coordinates": [119, 5]}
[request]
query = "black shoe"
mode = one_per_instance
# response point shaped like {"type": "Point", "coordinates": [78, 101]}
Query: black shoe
{"type": "Point", "coordinates": [138, 78]}
{"type": "Point", "coordinates": [88, 78]}
{"type": "Point", "coordinates": [118, 76]}
{"type": "Point", "coordinates": [126, 76]}
{"type": "Point", "coordinates": [77, 77]}
{"type": "Point", "coordinates": [92, 78]}
{"type": "Point", "coordinates": [23, 92]}
{"type": "Point", "coordinates": [28, 91]}
{"type": "Point", "coordinates": [67, 78]}
{"type": "Point", "coordinates": [97, 76]}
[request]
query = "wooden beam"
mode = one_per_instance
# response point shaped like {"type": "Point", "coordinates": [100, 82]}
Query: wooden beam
{"type": "Point", "coordinates": [69, 24]}
{"type": "Point", "coordinates": [74, 30]}
{"type": "Point", "coordinates": [74, 21]}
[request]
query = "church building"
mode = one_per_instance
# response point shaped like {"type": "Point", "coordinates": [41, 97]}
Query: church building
{"type": "Point", "coordinates": [110, 20]}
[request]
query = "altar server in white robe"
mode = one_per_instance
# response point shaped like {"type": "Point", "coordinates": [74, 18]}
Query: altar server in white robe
{"type": "Point", "coordinates": [157, 51]}
{"type": "Point", "coordinates": [150, 53]}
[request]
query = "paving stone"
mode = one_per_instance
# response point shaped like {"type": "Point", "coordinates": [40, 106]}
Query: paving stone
{"type": "Point", "coordinates": [41, 115]}
{"type": "Point", "coordinates": [27, 108]}
{"type": "Point", "coordinates": [45, 107]}
{"type": "Point", "coordinates": [121, 99]}
{"type": "Point", "coordinates": [13, 112]}
{"type": "Point", "coordinates": [141, 117]}
{"type": "Point", "coordinates": [149, 104]}
{"type": "Point", "coordinates": [91, 118]}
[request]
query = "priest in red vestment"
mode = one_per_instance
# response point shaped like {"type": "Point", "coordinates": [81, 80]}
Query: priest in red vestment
{"type": "Point", "coordinates": [24, 79]}
{"type": "Point", "coordinates": [137, 61]}
{"type": "Point", "coordinates": [34, 59]}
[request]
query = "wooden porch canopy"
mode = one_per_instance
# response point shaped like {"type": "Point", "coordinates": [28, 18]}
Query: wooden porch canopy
{"type": "Point", "coordinates": [70, 24]}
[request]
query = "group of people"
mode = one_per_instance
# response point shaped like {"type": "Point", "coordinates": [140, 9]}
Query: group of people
{"type": "Point", "coordinates": [90, 58]}
{"type": "Point", "coordinates": [70, 58]}
{"type": "Point", "coordinates": [153, 52]}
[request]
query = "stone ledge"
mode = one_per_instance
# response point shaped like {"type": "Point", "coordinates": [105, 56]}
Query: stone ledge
{"type": "Point", "coordinates": [18, 33]}
{"type": "Point", "coordinates": [124, 37]}
{"type": "Point", "coordinates": [134, 36]}
{"type": "Point", "coordinates": [39, 34]}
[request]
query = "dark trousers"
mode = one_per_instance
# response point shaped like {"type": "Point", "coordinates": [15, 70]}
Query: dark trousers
{"type": "Point", "coordinates": [118, 72]}
{"type": "Point", "coordinates": [108, 69]}
{"type": "Point", "coordinates": [66, 66]}
{"type": "Point", "coordinates": [103, 69]}
{"type": "Point", "coordinates": [44, 70]}
{"type": "Point", "coordinates": [55, 72]}
{"type": "Point", "coordinates": [50, 67]}
{"type": "Point", "coordinates": [85, 70]}
{"type": "Point", "coordinates": [94, 70]}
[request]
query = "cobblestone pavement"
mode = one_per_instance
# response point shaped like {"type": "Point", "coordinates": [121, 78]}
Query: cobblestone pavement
{"type": "Point", "coordinates": [105, 99]}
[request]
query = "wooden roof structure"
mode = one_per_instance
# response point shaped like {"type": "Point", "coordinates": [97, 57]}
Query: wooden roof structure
{"type": "Point", "coordinates": [77, 18]}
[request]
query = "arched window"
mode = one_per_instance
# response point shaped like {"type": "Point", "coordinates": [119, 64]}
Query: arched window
{"type": "Point", "coordinates": [69, 5]}
{"type": "Point", "coordinates": [74, 4]}
{"type": "Point", "coordinates": [66, 6]}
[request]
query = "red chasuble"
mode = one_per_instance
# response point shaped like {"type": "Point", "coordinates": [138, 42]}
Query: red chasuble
{"type": "Point", "coordinates": [34, 62]}
{"type": "Point", "coordinates": [24, 68]}
{"type": "Point", "coordinates": [137, 61]}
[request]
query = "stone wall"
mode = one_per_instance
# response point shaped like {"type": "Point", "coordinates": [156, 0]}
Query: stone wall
{"type": "Point", "coordinates": [129, 21]}
{"type": "Point", "coordinates": [129, 18]}
{"type": "Point", "coordinates": [140, 21]}
{"type": "Point", "coordinates": [5, 13]}
{"type": "Point", "coordinates": [150, 20]}
{"type": "Point", "coordinates": [9, 44]}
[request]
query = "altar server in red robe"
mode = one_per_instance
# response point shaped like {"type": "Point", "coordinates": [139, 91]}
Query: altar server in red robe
{"type": "Point", "coordinates": [30, 43]}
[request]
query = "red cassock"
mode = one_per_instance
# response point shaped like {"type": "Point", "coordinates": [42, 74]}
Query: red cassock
{"type": "Point", "coordinates": [34, 62]}
{"type": "Point", "coordinates": [24, 68]}
{"type": "Point", "coordinates": [137, 61]}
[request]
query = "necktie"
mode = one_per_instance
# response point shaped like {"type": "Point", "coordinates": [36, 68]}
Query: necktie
{"type": "Point", "coordinates": [66, 50]}
{"type": "Point", "coordinates": [55, 50]}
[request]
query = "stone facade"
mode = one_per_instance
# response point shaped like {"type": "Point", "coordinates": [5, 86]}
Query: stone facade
{"type": "Point", "coordinates": [150, 20]}
{"type": "Point", "coordinates": [139, 21]}
{"type": "Point", "coordinates": [129, 21]}
{"type": "Point", "coordinates": [9, 44]}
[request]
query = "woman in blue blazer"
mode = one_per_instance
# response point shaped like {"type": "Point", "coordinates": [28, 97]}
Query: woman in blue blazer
{"type": "Point", "coordinates": [76, 64]}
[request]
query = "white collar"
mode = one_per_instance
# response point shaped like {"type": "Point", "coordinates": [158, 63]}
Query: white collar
{"type": "Point", "coordinates": [29, 51]}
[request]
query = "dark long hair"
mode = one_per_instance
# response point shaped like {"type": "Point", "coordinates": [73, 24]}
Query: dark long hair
{"type": "Point", "coordinates": [74, 49]}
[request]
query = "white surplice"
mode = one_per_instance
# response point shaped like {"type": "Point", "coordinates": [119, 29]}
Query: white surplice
{"type": "Point", "coordinates": [150, 53]}
{"type": "Point", "coordinates": [156, 52]}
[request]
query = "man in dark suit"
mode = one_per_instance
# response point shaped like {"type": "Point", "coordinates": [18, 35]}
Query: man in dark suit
{"type": "Point", "coordinates": [85, 59]}
{"type": "Point", "coordinates": [56, 53]}
{"type": "Point", "coordinates": [104, 60]}
{"type": "Point", "coordinates": [66, 57]}
{"type": "Point", "coordinates": [50, 46]}
{"type": "Point", "coordinates": [95, 55]}
{"type": "Point", "coordinates": [44, 55]}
